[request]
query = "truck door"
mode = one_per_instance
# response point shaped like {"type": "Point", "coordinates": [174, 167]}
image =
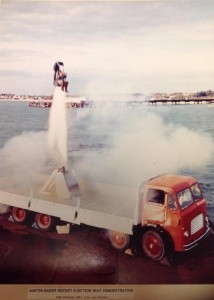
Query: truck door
{"type": "Point", "coordinates": [154, 206]}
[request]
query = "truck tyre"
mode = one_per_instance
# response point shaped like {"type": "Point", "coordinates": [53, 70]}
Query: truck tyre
{"type": "Point", "coordinates": [119, 240]}
{"type": "Point", "coordinates": [153, 245]}
{"type": "Point", "coordinates": [21, 215]}
{"type": "Point", "coordinates": [44, 222]}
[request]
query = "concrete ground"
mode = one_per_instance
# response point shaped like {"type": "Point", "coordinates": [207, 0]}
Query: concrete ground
{"type": "Point", "coordinates": [85, 256]}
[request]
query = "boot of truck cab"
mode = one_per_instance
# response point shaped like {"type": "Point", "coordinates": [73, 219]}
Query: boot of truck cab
{"type": "Point", "coordinates": [175, 206]}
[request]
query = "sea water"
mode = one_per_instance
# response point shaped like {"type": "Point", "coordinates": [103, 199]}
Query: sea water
{"type": "Point", "coordinates": [109, 143]}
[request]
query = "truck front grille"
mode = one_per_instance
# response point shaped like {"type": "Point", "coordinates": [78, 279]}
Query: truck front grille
{"type": "Point", "coordinates": [197, 223]}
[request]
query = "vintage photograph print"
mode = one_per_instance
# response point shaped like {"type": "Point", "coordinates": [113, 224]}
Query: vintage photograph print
{"type": "Point", "coordinates": [106, 149]}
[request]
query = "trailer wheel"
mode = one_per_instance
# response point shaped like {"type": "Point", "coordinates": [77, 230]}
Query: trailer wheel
{"type": "Point", "coordinates": [119, 240]}
{"type": "Point", "coordinates": [153, 245]}
{"type": "Point", "coordinates": [21, 215]}
{"type": "Point", "coordinates": [44, 222]}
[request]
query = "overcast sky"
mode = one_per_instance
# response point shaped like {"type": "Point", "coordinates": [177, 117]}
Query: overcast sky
{"type": "Point", "coordinates": [122, 47]}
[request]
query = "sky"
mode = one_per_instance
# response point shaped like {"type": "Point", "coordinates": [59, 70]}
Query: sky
{"type": "Point", "coordinates": [107, 47]}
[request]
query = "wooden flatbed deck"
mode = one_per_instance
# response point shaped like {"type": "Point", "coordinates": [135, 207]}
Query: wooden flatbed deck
{"type": "Point", "coordinates": [105, 206]}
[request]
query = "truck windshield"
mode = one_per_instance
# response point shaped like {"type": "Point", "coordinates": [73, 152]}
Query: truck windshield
{"type": "Point", "coordinates": [196, 192]}
{"type": "Point", "coordinates": [185, 198]}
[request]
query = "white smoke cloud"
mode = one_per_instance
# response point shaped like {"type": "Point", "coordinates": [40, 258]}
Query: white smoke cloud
{"type": "Point", "coordinates": [57, 129]}
{"type": "Point", "coordinates": [140, 144]}
{"type": "Point", "coordinates": [21, 157]}
{"type": "Point", "coordinates": [143, 145]}
{"type": "Point", "coordinates": [24, 153]}
{"type": "Point", "coordinates": [30, 153]}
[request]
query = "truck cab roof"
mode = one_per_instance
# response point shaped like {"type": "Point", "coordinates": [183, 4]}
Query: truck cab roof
{"type": "Point", "coordinates": [175, 182]}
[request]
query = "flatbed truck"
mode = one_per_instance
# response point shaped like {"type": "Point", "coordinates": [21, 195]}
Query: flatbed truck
{"type": "Point", "coordinates": [165, 213]}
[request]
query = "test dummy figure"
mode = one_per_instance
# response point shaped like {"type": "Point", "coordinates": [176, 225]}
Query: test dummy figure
{"type": "Point", "coordinates": [60, 76]}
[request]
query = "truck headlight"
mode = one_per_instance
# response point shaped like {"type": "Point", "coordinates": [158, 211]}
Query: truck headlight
{"type": "Point", "coordinates": [186, 234]}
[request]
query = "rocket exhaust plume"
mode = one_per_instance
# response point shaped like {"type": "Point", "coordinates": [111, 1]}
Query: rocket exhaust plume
{"type": "Point", "coordinates": [57, 129]}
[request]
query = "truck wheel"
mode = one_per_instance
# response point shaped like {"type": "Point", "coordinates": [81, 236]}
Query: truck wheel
{"type": "Point", "coordinates": [20, 215]}
{"type": "Point", "coordinates": [119, 240]}
{"type": "Point", "coordinates": [153, 245]}
{"type": "Point", "coordinates": [44, 222]}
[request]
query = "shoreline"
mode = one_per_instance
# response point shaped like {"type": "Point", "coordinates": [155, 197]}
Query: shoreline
{"type": "Point", "coordinates": [131, 103]}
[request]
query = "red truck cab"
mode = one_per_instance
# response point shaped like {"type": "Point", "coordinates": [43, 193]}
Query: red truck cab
{"type": "Point", "coordinates": [174, 212]}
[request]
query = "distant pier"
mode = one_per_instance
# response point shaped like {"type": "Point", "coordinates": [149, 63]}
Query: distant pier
{"type": "Point", "coordinates": [181, 101]}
